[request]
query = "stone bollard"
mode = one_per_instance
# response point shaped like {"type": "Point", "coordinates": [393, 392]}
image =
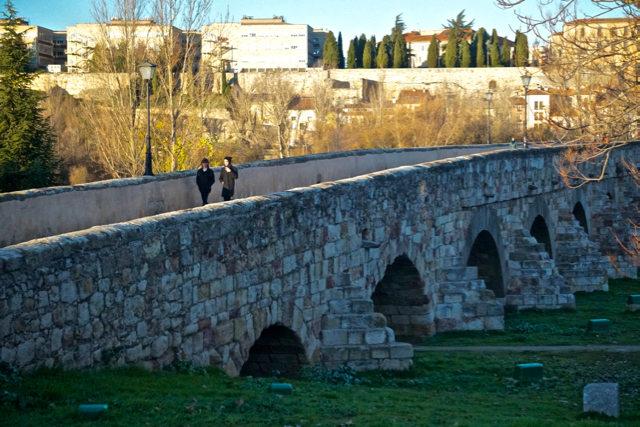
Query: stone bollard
{"type": "Point", "coordinates": [598, 325]}
{"type": "Point", "coordinates": [633, 303]}
{"type": "Point", "coordinates": [602, 398]}
{"type": "Point", "coordinates": [528, 371]}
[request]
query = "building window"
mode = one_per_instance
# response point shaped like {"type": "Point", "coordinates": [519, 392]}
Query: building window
{"type": "Point", "coordinates": [493, 84]}
{"type": "Point", "coordinates": [316, 39]}
{"type": "Point", "coordinates": [539, 105]}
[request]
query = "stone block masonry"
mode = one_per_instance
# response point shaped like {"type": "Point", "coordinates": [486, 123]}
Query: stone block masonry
{"type": "Point", "coordinates": [206, 284]}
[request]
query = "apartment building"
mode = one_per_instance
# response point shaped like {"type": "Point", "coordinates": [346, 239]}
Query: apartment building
{"type": "Point", "coordinates": [263, 44]}
{"type": "Point", "coordinates": [584, 37]}
{"type": "Point", "coordinates": [39, 40]}
{"type": "Point", "coordinates": [82, 39]}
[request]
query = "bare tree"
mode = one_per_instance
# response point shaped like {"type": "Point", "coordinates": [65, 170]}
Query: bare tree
{"type": "Point", "coordinates": [111, 117]}
{"type": "Point", "coordinates": [177, 48]}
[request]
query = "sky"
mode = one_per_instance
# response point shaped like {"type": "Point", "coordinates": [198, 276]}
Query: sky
{"type": "Point", "coordinates": [352, 17]}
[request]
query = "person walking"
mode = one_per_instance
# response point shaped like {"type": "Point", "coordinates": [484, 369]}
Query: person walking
{"type": "Point", "coordinates": [513, 144]}
{"type": "Point", "coordinates": [205, 179]}
{"type": "Point", "coordinates": [228, 176]}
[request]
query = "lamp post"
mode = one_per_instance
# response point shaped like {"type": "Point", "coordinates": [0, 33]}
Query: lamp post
{"type": "Point", "coordinates": [526, 80]}
{"type": "Point", "coordinates": [147, 69]}
{"type": "Point", "coordinates": [489, 96]}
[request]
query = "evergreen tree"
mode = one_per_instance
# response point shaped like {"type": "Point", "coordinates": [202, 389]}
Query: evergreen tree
{"type": "Point", "coordinates": [374, 51]}
{"type": "Point", "coordinates": [400, 53]}
{"type": "Point", "coordinates": [506, 53]}
{"type": "Point", "coordinates": [382, 60]}
{"type": "Point", "coordinates": [27, 154]}
{"type": "Point", "coordinates": [367, 56]}
{"type": "Point", "coordinates": [340, 51]}
{"type": "Point", "coordinates": [330, 54]}
{"type": "Point", "coordinates": [481, 38]}
{"type": "Point", "coordinates": [351, 56]}
{"type": "Point", "coordinates": [224, 85]}
{"type": "Point", "coordinates": [522, 50]}
{"type": "Point", "coordinates": [398, 28]}
{"type": "Point", "coordinates": [495, 50]}
{"type": "Point", "coordinates": [362, 41]}
{"type": "Point", "coordinates": [451, 51]}
{"type": "Point", "coordinates": [459, 25]}
{"type": "Point", "coordinates": [434, 52]}
{"type": "Point", "coordinates": [465, 61]}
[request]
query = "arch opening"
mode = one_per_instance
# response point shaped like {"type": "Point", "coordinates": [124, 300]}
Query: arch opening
{"type": "Point", "coordinates": [540, 232]}
{"type": "Point", "coordinates": [581, 216]}
{"type": "Point", "coordinates": [484, 255]}
{"type": "Point", "coordinates": [278, 350]}
{"type": "Point", "coordinates": [400, 297]}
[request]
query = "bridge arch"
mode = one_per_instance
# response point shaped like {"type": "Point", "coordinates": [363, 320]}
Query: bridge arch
{"type": "Point", "coordinates": [484, 249]}
{"type": "Point", "coordinates": [400, 297]}
{"type": "Point", "coordinates": [539, 223]}
{"type": "Point", "coordinates": [580, 214]}
{"type": "Point", "coordinates": [278, 349]}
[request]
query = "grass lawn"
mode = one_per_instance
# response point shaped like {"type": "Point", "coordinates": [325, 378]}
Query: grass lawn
{"type": "Point", "coordinates": [442, 389]}
{"type": "Point", "coordinates": [561, 327]}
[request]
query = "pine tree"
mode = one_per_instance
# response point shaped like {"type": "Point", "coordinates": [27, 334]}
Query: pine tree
{"type": "Point", "coordinates": [434, 52]}
{"type": "Point", "coordinates": [330, 54]}
{"type": "Point", "coordinates": [27, 154]}
{"type": "Point", "coordinates": [382, 60]}
{"type": "Point", "coordinates": [340, 51]}
{"type": "Point", "coordinates": [465, 61]}
{"type": "Point", "coordinates": [351, 56]}
{"type": "Point", "coordinates": [506, 53]}
{"type": "Point", "coordinates": [522, 50]}
{"type": "Point", "coordinates": [400, 53]}
{"type": "Point", "coordinates": [481, 59]}
{"type": "Point", "coordinates": [367, 56]}
{"type": "Point", "coordinates": [451, 51]}
{"type": "Point", "coordinates": [495, 50]}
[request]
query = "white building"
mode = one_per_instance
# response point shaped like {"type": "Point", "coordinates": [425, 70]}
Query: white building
{"type": "Point", "coordinates": [262, 44]}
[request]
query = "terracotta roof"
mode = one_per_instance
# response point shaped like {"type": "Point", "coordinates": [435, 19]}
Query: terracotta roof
{"type": "Point", "coordinates": [299, 103]}
{"type": "Point", "coordinates": [413, 96]}
{"type": "Point", "coordinates": [416, 37]}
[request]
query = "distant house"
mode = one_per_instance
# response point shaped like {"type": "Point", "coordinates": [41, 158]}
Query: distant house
{"type": "Point", "coordinates": [413, 98]}
{"type": "Point", "coordinates": [545, 106]}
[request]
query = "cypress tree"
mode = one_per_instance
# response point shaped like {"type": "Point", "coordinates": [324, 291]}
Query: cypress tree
{"type": "Point", "coordinates": [351, 56]}
{"type": "Point", "coordinates": [340, 51]}
{"type": "Point", "coordinates": [400, 53]}
{"type": "Point", "coordinates": [27, 154]}
{"type": "Point", "coordinates": [224, 85]}
{"type": "Point", "coordinates": [481, 59]}
{"type": "Point", "coordinates": [362, 41]}
{"type": "Point", "coordinates": [495, 50]}
{"type": "Point", "coordinates": [522, 51]}
{"type": "Point", "coordinates": [465, 62]}
{"type": "Point", "coordinates": [330, 54]}
{"type": "Point", "coordinates": [367, 56]}
{"type": "Point", "coordinates": [451, 51]}
{"type": "Point", "coordinates": [506, 53]}
{"type": "Point", "coordinates": [434, 51]}
{"type": "Point", "coordinates": [374, 51]}
{"type": "Point", "coordinates": [382, 60]}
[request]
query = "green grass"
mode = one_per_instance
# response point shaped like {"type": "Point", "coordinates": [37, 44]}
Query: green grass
{"type": "Point", "coordinates": [561, 327]}
{"type": "Point", "coordinates": [442, 389]}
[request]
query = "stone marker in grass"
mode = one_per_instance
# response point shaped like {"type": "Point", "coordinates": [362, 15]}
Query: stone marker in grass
{"type": "Point", "coordinates": [528, 371]}
{"type": "Point", "coordinates": [633, 303]}
{"type": "Point", "coordinates": [280, 388]}
{"type": "Point", "coordinates": [602, 398]}
{"type": "Point", "coordinates": [598, 325]}
{"type": "Point", "coordinates": [92, 411]}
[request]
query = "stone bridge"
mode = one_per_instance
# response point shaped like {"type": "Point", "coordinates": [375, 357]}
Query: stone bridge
{"type": "Point", "coordinates": [339, 272]}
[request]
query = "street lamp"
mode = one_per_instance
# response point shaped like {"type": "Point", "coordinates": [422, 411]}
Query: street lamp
{"type": "Point", "coordinates": [489, 96]}
{"type": "Point", "coordinates": [147, 69]}
{"type": "Point", "coordinates": [526, 80]}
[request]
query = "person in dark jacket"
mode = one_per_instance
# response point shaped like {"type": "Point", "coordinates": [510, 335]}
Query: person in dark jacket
{"type": "Point", "coordinates": [228, 176]}
{"type": "Point", "coordinates": [205, 179]}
